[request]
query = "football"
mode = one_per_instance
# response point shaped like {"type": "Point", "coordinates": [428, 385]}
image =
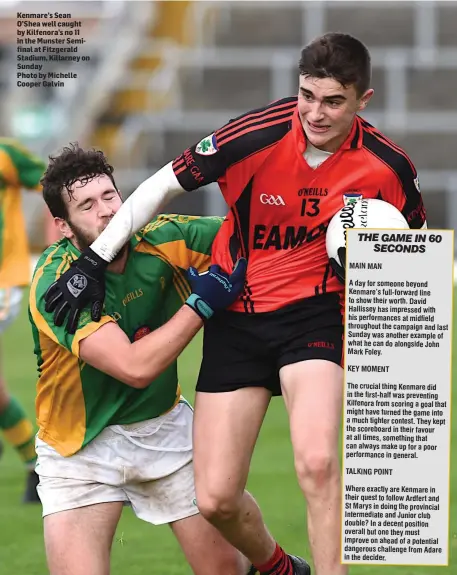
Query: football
{"type": "Point", "coordinates": [361, 213]}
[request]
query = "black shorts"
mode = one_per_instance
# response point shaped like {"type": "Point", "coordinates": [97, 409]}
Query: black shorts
{"type": "Point", "coordinates": [248, 350]}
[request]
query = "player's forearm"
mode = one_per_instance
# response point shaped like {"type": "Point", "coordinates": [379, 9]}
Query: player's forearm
{"type": "Point", "coordinates": [139, 208]}
{"type": "Point", "coordinates": [151, 355]}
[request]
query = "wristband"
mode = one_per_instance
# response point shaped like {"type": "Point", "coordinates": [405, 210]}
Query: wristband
{"type": "Point", "coordinates": [199, 306]}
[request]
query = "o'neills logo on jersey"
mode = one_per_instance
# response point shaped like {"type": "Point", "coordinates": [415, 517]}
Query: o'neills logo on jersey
{"type": "Point", "coordinates": [351, 197]}
{"type": "Point", "coordinates": [313, 192]}
{"type": "Point", "coordinates": [132, 296]}
{"type": "Point", "coordinates": [141, 332]}
{"type": "Point", "coordinates": [322, 344]}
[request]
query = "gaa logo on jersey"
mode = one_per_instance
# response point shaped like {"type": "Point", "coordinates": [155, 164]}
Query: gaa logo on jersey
{"type": "Point", "coordinates": [350, 198]}
{"type": "Point", "coordinates": [207, 146]}
{"type": "Point", "coordinates": [141, 332]}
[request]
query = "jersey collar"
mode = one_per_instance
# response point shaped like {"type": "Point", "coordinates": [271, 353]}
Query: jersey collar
{"type": "Point", "coordinates": [352, 142]}
{"type": "Point", "coordinates": [72, 250]}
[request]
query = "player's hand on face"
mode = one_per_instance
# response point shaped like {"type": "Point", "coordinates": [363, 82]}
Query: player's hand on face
{"type": "Point", "coordinates": [82, 285]}
{"type": "Point", "coordinates": [214, 289]}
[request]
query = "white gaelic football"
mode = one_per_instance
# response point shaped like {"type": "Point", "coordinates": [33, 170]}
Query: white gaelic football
{"type": "Point", "coordinates": [364, 213]}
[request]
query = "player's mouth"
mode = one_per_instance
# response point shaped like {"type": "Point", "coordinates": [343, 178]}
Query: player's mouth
{"type": "Point", "coordinates": [318, 128]}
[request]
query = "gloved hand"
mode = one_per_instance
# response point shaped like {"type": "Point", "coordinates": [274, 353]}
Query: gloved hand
{"type": "Point", "coordinates": [215, 290]}
{"type": "Point", "coordinates": [82, 285]}
{"type": "Point", "coordinates": [339, 267]}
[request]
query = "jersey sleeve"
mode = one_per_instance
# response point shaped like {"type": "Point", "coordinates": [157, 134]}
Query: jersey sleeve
{"type": "Point", "coordinates": [208, 160]}
{"type": "Point", "coordinates": [29, 168]}
{"type": "Point", "coordinates": [50, 266]}
{"type": "Point", "coordinates": [402, 190]}
{"type": "Point", "coordinates": [199, 234]}
{"type": "Point", "coordinates": [182, 241]}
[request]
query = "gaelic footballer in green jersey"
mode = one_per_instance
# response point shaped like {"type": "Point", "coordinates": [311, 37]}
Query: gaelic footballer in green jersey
{"type": "Point", "coordinates": [149, 291]}
{"type": "Point", "coordinates": [19, 169]}
{"type": "Point", "coordinates": [113, 426]}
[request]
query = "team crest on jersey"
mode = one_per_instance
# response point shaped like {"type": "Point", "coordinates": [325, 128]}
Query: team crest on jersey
{"type": "Point", "coordinates": [351, 198]}
{"type": "Point", "coordinates": [207, 146]}
{"type": "Point", "coordinates": [141, 332]}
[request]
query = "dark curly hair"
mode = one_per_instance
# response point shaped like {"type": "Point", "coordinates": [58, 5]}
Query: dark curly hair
{"type": "Point", "coordinates": [71, 165]}
{"type": "Point", "coordinates": [339, 56]}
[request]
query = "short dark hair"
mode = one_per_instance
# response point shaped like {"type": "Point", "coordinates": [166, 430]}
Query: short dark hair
{"type": "Point", "coordinates": [71, 165]}
{"type": "Point", "coordinates": [338, 56]}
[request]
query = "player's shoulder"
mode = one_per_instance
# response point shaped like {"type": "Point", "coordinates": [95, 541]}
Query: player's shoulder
{"type": "Point", "coordinates": [258, 127]}
{"type": "Point", "coordinates": [54, 259]}
{"type": "Point", "coordinates": [14, 147]}
{"type": "Point", "coordinates": [165, 228]}
{"type": "Point", "coordinates": [8, 144]}
{"type": "Point", "coordinates": [8, 153]}
{"type": "Point", "coordinates": [387, 152]}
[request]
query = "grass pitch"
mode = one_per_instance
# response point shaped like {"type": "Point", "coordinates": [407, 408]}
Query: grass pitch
{"type": "Point", "coordinates": [140, 548]}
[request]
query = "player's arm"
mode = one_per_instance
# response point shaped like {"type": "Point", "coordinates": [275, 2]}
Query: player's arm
{"type": "Point", "coordinates": [104, 345]}
{"type": "Point", "coordinates": [199, 165]}
{"type": "Point", "coordinates": [107, 348]}
{"type": "Point", "coordinates": [137, 364]}
{"type": "Point", "coordinates": [401, 189]}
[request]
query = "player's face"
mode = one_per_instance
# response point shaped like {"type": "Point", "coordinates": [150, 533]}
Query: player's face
{"type": "Point", "coordinates": [90, 208]}
{"type": "Point", "coordinates": [327, 110]}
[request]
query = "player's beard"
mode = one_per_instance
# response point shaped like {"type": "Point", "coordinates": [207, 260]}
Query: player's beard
{"type": "Point", "coordinates": [84, 239]}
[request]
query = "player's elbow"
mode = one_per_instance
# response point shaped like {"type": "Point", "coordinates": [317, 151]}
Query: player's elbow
{"type": "Point", "coordinates": [141, 375]}
{"type": "Point", "coordinates": [128, 371]}
{"type": "Point", "coordinates": [135, 378]}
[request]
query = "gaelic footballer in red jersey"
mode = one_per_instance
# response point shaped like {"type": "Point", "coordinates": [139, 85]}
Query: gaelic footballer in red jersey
{"type": "Point", "coordinates": [284, 169]}
{"type": "Point", "coordinates": [280, 205]}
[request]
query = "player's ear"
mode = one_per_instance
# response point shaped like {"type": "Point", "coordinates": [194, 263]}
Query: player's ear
{"type": "Point", "coordinates": [64, 228]}
{"type": "Point", "coordinates": [366, 97]}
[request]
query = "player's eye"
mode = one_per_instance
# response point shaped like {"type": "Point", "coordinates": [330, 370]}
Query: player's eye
{"type": "Point", "coordinates": [86, 207]}
{"type": "Point", "coordinates": [334, 103]}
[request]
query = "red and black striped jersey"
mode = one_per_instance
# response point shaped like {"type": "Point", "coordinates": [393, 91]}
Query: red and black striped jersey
{"type": "Point", "coordinates": [280, 207]}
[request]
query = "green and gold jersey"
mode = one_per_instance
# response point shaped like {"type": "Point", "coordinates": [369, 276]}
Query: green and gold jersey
{"type": "Point", "coordinates": [18, 169]}
{"type": "Point", "coordinates": [75, 402]}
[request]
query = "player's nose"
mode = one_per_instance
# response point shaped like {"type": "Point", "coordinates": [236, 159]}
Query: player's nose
{"type": "Point", "coordinates": [315, 113]}
{"type": "Point", "coordinates": [104, 210]}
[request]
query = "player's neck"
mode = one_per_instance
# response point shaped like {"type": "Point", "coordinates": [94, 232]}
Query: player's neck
{"type": "Point", "coordinates": [117, 266]}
